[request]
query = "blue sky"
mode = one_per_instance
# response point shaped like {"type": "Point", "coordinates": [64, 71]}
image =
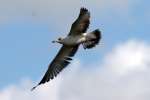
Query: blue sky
{"type": "Point", "coordinates": [28, 27]}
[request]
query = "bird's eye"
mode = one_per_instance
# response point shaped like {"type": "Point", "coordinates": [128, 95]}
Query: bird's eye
{"type": "Point", "coordinates": [59, 38]}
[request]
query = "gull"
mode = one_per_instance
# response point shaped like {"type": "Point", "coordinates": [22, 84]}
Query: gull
{"type": "Point", "coordinates": [70, 44]}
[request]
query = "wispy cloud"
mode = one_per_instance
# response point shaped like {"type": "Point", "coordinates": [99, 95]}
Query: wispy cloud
{"type": "Point", "coordinates": [130, 56]}
{"type": "Point", "coordinates": [124, 75]}
{"type": "Point", "coordinates": [22, 91]}
{"type": "Point", "coordinates": [46, 9]}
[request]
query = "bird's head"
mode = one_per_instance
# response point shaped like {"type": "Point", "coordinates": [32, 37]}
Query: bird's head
{"type": "Point", "coordinates": [59, 40]}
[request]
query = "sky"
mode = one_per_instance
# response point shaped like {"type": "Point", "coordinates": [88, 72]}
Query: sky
{"type": "Point", "coordinates": [117, 69]}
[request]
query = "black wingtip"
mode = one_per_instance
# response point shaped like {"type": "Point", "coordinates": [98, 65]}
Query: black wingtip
{"type": "Point", "coordinates": [83, 9]}
{"type": "Point", "coordinates": [34, 87]}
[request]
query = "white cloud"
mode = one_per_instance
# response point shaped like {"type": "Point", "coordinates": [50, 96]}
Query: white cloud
{"type": "Point", "coordinates": [124, 75]}
{"type": "Point", "coordinates": [131, 56]}
{"type": "Point", "coordinates": [46, 7]}
{"type": "Point", "coordinates": [49, 90]}
{"type": "Point", "coordinates": [22, 91]}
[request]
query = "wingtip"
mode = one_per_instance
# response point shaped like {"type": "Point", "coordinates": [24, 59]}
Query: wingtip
{"type": "Point", "coordinates": [84, 9]}
{"type": "Point", "coordinates": [33, 88]}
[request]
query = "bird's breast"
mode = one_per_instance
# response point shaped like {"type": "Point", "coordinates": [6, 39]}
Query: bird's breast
{"type": "Point", "coordinates": [81, 40]}
{"type": "Point", "coordinates": [74, 40]}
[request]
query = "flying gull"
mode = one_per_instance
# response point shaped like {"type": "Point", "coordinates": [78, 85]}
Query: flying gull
{"type": "Point", "coordinates": [70, 45]}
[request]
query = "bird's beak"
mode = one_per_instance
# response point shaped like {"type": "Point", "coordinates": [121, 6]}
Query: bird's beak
{"type": "Point", "coordinates": [53, 41]}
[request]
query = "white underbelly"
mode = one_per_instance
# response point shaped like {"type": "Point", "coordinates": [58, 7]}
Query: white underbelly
{"type": "Point", "coordinates": [81, 40]}
{"type": "Point", "coordinates": [74, 41]}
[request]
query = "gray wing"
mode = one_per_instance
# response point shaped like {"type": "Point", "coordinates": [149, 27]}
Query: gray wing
{"type": "Point", "coordinates": [59, 63]}
{"type": "Point", "coordinates": [81, 24]}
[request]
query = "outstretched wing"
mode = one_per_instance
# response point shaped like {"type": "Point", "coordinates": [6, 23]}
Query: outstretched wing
{"type": "Point", "coordinates": [59, 63]}
{"type": "Point", "coordinates": [81, 24]}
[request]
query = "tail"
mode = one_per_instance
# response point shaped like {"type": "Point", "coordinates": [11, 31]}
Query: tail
{"type": "Point", "coordinates": [93, 38]}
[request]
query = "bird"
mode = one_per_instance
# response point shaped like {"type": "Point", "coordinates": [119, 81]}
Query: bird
{"type": "Point", "coordinates": [77, 36]}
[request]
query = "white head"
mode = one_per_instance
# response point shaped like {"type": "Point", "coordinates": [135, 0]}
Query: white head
{"type": "Point", "coordinates": [59, 40]}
